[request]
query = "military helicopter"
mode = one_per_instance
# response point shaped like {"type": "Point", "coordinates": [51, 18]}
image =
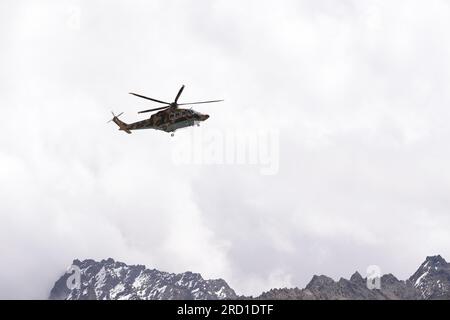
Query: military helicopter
{"type": "Point", "coordinates": [169, 119]}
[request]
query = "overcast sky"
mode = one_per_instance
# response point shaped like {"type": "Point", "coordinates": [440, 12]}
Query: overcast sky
{"type": "Point", "coordinates": [358, 92]}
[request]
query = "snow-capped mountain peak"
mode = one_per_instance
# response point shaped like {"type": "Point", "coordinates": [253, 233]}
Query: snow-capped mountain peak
{"type": "Point", "coordinates": [432, 278]}
{"type": "Point", "coordinates": [111, 280]}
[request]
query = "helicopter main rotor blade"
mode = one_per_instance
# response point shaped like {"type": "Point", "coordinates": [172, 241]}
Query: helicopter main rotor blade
{"type": "Point", "coordinates": [179, 93]}
{"type": "Point", "coordinates": [144, 97]}
{"type": "Point", "coordinates": [154, 109]}
{"type": "Point", "coordinates": [184, 104]}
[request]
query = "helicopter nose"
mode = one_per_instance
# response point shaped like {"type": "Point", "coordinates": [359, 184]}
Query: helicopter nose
{"type": "Point", "coordinates": [205, 116]}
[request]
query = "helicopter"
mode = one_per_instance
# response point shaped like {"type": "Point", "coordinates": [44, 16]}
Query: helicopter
{"type": "Point", "coordinates": [169, 118]}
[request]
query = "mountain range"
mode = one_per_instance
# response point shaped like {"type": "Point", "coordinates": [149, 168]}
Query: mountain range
{"type": "Point", "coordinates": [113, 280]}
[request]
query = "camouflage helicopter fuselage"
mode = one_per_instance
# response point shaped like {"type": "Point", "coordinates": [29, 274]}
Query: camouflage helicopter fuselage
{"type": "Point", "coordinates": [167, 120]}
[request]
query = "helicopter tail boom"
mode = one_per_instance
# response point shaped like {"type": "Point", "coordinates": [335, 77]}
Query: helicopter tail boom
{"type": "Point", "coordinates": [122, 125]}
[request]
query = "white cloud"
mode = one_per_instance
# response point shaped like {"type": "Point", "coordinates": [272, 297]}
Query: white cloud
{"type": "Point", "coordinates": [357, 89]}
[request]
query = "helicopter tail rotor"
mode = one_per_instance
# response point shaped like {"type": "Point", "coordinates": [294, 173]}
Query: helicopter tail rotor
{"type": "Point", "coordinates": [114, 116]}
{"type": "Point", "coordinates": [122, 125]}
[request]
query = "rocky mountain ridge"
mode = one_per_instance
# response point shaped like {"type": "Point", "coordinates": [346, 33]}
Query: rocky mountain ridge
{"type": "Point", "coordinates": [109, 279]}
